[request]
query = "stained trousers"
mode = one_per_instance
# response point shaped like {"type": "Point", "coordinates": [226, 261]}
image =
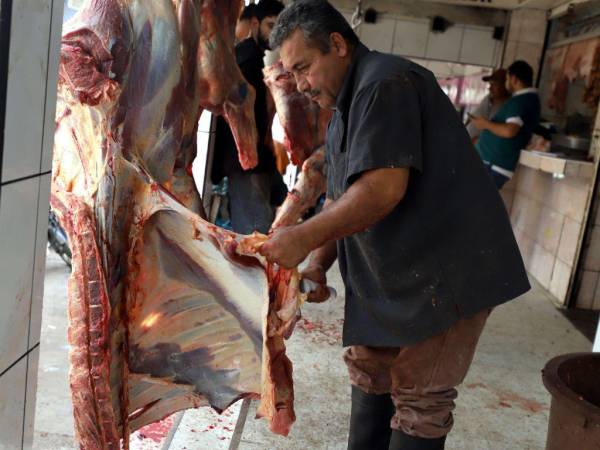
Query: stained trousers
{"type": "Point", "coordinates": [420, 378]}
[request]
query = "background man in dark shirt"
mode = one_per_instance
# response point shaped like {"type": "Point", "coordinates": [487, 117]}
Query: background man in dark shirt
{"type": "Point", "coordinates": [250, 192]}
{"type": "Point", "coordinates": [422, 238]}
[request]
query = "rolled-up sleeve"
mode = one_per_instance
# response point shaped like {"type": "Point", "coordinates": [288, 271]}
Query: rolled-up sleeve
{"type": "Point", "coordinates": [387, 128]}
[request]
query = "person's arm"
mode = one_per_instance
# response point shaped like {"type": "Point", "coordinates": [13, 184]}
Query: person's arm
{"type": "Point", "coordinates": [372, 196]}
{"type": "Point", "coordinates": [319, 263]}
{"type": "Point", "coordinates": [504, 130]}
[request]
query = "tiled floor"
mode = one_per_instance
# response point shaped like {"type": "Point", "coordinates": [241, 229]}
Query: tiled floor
{"type": "Point", "coordinates": [502, 404]}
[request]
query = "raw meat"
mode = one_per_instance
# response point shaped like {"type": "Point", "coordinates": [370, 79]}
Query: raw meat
{"type": "Point", "coordinates": [166, 310]}
{"type": "Point", "coordinates": [304, 123]}
{"type": "Point", "coordinates": [311, 184]}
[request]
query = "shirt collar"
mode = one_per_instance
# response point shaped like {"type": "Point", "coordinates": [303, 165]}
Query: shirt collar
{"type": "Point", "coordinates": [345, 95]}
{"type": "Point", "coordinates": [530, 90]}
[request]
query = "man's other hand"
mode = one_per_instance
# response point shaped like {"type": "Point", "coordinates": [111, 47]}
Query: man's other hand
{"type": "Point", "coordinates": [479, 122]}
{"type": "Point", "coordinates": [317, 274]}
{"type": "Point", "coordinates": [285, 247]}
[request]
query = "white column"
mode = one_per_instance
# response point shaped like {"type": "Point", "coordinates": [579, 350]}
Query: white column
{"type": "Point", "coordinates": [596, 347]}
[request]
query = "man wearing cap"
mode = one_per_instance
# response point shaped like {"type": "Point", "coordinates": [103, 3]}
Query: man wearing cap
{"type": "Point", "coordinates": [492, 102]}
{"type": "Point", "coordinates": [509, 131]}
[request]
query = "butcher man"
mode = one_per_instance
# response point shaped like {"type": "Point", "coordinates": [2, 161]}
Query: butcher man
{"type": "Point", "coordinates": [421, 236]}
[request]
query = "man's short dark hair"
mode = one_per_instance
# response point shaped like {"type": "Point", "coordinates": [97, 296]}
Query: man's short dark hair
{"type": "Point", "coordinates": [268, 8]}
{"type": "Point", "coordinates": [317, 19]}
{"type": "Point", "coordinates": [522, 71]}
{"type": "Point", "coordinates": [248, 12]}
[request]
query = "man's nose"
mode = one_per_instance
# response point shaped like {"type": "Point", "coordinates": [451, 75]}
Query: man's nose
{"type": "Point", "coordinates": [302, 84]}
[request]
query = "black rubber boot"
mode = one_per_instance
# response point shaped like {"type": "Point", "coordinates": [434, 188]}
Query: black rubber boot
{"type": "Point", "coordinates": [403, 441]}
{"type": "Point", "coordinates": [370, 421]}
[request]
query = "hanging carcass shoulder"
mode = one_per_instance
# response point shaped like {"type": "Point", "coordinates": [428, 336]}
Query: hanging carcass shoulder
{"type": "Point", "coordinates": [166, 312]}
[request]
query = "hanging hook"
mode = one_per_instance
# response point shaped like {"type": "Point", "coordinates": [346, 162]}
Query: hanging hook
{"type": "Point", "coordinates": [357, 16]}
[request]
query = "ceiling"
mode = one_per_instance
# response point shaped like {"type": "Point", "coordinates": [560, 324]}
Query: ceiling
{"type": "Point", "coordinates": [511, 4]}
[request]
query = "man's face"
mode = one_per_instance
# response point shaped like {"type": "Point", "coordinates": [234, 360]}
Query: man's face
{"type": "Point", "coordinates": [318, 75]}
{"type": "Point", "coordinates": [264, 31]}
{"type": "Point", "coordinates": [497, 90]}
{"type": "Point", "coordinates": [511, 83]}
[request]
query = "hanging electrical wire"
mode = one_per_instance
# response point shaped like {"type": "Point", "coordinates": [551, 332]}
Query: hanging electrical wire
{"type": "Point", "coordinates": [357, 16]}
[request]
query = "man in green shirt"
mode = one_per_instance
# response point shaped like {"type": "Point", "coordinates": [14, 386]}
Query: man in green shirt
{"type": "Point", "coordinates": [509, 130]}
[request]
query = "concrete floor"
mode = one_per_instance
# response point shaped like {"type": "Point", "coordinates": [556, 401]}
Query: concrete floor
{"type": "Point", "coordinates": [501, 405]}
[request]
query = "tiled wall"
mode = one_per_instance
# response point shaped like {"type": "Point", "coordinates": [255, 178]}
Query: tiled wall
{"type": "Point", "coordinates": [412, 37]}
{"type": "Point", "coordinates": [526, 34]}
{"type": "Point", "coordinates": [587, 282]}
{"type": "Point", "coordinates": [547, 214]}
{"type": "Point", "coordinates": [26, 158]}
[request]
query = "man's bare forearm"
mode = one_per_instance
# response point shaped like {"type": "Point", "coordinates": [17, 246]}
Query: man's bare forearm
{"type": "Point", "coordinates": [324, 256]}
{"type": "Point", "coordinates": [368, 200]}
{"type": "Point", "coordinates": [503, 130]}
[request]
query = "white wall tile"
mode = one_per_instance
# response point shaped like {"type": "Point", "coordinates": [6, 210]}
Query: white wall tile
{"type": "Point", "coordinates": [478, 47]}
{"type": "Point", "coordinates": [542, 265]}
{"type": "Point", "coordinates": [445, 46]}
{"type": "Point", "coordinates": [378, 36]}
{"type": "Point", "coordinates": [39, 262]}
{"type": "Point", "coordinates": [410, 38]}
{"type": "Point", "coordinates": [53, 59]}
{"type": "Point", "coordinates": [18, 215]}
{"type": "Point", "coordinates": [31, 390]}
{"type": "Point", "coordinates": [12, 404]}
{"type": "Point", "coordinates": [26, 93]}
{"type": "Point", "coordinates": [560, 280]}
{"type": "Point", "coordinates": [568, 241]}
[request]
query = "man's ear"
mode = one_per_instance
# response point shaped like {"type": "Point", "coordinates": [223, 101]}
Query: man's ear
{"type": "Point", "coordinates": [339, 44]}
{"type": "Point", "coordinates": [254, 25]}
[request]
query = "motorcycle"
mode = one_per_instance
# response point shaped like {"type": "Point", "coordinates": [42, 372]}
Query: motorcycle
{"type": "Point", "coordinates": [57, 239]}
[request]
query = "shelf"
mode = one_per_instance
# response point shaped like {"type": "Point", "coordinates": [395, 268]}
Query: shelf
{"type": "Point", "coordinates": [557, 166]}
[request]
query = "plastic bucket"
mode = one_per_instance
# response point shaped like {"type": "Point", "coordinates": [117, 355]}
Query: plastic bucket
{"type": "Point", "coordinates": [574, 382]}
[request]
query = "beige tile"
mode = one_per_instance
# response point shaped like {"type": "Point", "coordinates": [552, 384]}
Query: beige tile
{"type": "Point", "coordinates": [526, 245]}
{"type": "Point", "coordinates": [32, 371]}
{"type": "Point", "coordinates": [569, 197]}
{"type": "Point", "coordinates": [586, 171]}
{"type": "Point", "coordinates": [12, 404]}
{"type": "Point", "coordinates": [445, 46]}
{"type": "Point", "coordinates": [519, 210]}
{"type": "Point", "coordinates": [560, 280]}
{"type": "Point", "coordinates": [410, 38]}
{"type": "Point", "coordinates": [379, 36]}
{"type": "Point", "coordinates": [542, 265]}
{"type": "Point", "coordinates": [549, 229]}
{"type": "Point", "coordinates": [18, 215]}
{"type": "Point", "coordinates": [507, 198]}
{"type": "Point", "coordinates": [569, 239]}
{"type": "Point", "coordinates": [592, 252]}
{"type": "Point", "coordinates": [39, 267]}
{"type": "Point", "coordinates": [509, 53]}
{"type": "Point", "coordinates": [587, 290]}
{"type": "Point", "coordinates": [530, 53]}
{"type": "Point", "coordinates": [533, 27]}
{"type": "Point", "coordinates": [478, 46]}
{"type": "Point", "coordinates": [514, 29]}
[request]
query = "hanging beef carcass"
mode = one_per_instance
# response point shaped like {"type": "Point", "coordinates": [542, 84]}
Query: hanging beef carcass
{"type": "Point", "coordinates": [304, 125]}
{"type": "Point", "coordinates": [166, 310]}
{"type": "Point", "coordinates": [303, 122]}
